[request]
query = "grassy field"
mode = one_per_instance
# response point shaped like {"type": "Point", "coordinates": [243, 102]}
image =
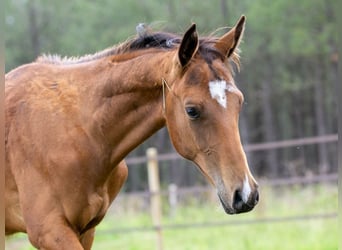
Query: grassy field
{"type": "Point", "coordinates": [311, 234]}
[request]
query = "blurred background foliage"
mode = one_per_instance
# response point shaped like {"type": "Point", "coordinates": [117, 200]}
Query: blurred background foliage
{"type": "Point", "coordinates": [289, 66]}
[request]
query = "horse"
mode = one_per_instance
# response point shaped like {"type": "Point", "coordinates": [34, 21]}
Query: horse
{"type": "Point", "coordinates": [70, 122]}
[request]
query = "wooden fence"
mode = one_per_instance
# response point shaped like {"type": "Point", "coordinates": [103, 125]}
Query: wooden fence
{"type": "Point", "coordinates": [173, 192]}
{"type": "Point", "coordinates": [154, 194]}
{"type": "Point", "coordinates": [152, 159]}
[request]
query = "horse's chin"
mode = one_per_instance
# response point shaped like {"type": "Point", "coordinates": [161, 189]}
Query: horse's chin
{"type": "Point", "coordinates": [227, 208]}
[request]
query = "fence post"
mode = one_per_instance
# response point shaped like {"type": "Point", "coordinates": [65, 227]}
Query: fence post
{"type": "Point", "coordinates": [173, 199]}
{"type": "Point", "coordinates": [154, 186]}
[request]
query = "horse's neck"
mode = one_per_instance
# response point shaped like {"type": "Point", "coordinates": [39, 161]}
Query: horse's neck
{"type": "Point", "coordinates": [131, 105]}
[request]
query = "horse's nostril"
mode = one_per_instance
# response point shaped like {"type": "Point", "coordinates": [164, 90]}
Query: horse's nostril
{"type": "Point", "coordinates": [237, 200]}
{"type": "Point", "coordinates": [256, 197]}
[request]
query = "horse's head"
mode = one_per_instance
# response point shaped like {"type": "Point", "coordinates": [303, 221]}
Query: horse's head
{"type": "Point", "coordinates": [202, 112]}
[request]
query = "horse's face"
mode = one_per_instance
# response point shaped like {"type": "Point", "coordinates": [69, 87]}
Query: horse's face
{"type": "Point", "coordinates": [202, 112]}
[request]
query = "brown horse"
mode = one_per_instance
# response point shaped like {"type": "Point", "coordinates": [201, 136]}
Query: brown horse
{"type": "Point", "coordinates": [71, 122]}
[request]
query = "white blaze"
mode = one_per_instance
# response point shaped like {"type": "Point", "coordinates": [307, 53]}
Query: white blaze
{"type": "Point", "coordinates": [218, 91]}
{"type": "Point", "coordinates": [246, 190]}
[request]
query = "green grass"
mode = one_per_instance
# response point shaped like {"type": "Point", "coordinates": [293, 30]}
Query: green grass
{"type": "Point", "coordinates": [314, 234]}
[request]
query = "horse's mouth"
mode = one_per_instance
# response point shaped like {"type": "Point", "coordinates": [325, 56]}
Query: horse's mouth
{"type": "Point", "coordinates": [237, 207]}
{"type": "Point", "coordinates": [228, 209]}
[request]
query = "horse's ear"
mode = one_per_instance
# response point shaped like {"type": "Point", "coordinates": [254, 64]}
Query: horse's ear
{"type": "Point", "coordinates": [230, 41]}
{"type": "Point", "coordinates": [189, 46]}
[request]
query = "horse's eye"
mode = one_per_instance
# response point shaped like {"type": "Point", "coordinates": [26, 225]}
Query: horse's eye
{"type": "Point", "coordinates": [192, 112]}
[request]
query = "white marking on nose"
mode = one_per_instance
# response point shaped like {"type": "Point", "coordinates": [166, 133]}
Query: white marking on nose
{"type": "Point", "coordinates": [246, 190]}
{"type": "Point", "coordinates": [218, 91]}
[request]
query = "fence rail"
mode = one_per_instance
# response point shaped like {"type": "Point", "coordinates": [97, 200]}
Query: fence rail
{"type": "Point", "coordinates": [321, 216]}
{"type": "Point", "coordinates": [251, 147]}
{"type": "Point", "coordinates": [304, 180]}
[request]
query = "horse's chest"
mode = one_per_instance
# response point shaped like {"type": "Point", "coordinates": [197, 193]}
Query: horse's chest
{"type": "Point", "coordinates": [93, 212]}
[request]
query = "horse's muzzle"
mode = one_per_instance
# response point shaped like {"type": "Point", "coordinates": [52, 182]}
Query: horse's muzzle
{"type": "Point", "coordinates": [238, 205]}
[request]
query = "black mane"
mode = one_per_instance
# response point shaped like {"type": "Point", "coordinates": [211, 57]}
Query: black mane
{"type": "Point", "coordinates": [155, 40]}
{"type": "Point", "coordinates": [159, 40]}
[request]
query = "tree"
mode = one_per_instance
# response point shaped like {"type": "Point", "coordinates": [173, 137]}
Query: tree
{"type": "Point", "coordinates": [289, 65]}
